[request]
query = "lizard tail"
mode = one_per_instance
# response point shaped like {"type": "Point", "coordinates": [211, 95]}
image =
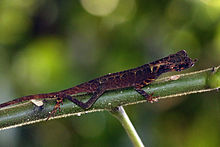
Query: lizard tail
{"type": "Point", "coordinates": [11, 102]}
{"type": "Point", "coordinates": [27, 98]}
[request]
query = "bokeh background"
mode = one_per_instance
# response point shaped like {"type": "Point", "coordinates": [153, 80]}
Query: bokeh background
{"type": "Point", "coordinates": [49, 45]}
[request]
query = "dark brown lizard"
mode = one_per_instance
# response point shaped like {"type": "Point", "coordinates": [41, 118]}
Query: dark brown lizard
{"type": "Point", "coordinates": [136, 78]}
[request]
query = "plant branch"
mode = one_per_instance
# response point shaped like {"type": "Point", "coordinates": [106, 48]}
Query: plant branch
{"type": "Point", "coordinates": [122, 116]}
{"type": "Point", "coordinates": [172, 86]}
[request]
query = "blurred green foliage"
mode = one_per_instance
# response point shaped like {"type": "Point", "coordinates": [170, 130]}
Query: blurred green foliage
{"type": "Point", "coordinates": [50, 45]}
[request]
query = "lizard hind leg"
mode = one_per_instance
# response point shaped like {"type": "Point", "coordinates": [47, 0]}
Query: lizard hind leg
{"type": "Point", "coordinates": [56, 107]}
{"type": "Point", "coordinates": [100, 90]}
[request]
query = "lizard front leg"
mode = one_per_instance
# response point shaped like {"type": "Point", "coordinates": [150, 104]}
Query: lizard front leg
{"type": "Point", "coordinates": [149, 97]}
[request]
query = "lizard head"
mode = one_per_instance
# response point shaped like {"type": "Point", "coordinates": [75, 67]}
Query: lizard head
{"type": "Point", "coordinates": [180, 61]}
{"type": "Point", "coordinates": [174, 62]}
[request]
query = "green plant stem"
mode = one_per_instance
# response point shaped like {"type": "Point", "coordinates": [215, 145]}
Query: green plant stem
{"type": "Point", "coordinates": [122, 116]}
{"type": "Point", "coordinates": [172, 86]}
